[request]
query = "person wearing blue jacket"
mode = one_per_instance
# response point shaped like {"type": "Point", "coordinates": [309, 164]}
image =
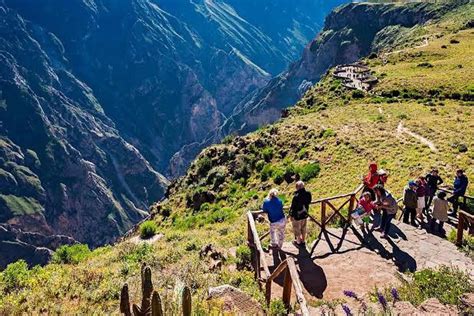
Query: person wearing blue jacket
{"type": "Point", "coordinates": [273, 207]}
{"type": "Point", "coordinates": [459, 189]}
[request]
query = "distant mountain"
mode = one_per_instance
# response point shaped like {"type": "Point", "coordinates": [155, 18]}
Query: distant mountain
{"type": "Point", "coordinates": [99, 98]}
{"type": "Point", "coordinates": [350, 32]}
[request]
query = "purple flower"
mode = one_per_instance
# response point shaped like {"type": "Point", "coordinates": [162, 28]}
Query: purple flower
{"type": "Point", "coordinates": [350, 294]}
{"type": "Point", "coordinates": [395, 295]}
{"type": "Point", "coordinates": [382, 300]}
{"type": "Point", "coordinates": [347, 310]}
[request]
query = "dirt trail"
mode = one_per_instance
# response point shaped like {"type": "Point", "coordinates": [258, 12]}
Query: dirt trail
{"type": "Point", "coordinates": [423, 44]}
{"type": "Point", "coordinates": [401, 129]}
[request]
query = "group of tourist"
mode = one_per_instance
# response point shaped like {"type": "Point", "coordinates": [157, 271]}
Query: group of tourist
{"type": "Point", "coordinates": [421, 198]}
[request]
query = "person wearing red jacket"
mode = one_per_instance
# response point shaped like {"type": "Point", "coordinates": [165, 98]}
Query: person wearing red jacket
{"type": "Point", "coordinates": [371, 180]}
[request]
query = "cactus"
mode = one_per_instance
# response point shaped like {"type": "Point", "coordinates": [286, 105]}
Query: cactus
{"type": "Point", "coordinates": [186, 301]}
{"type": "Point", "coordinates": [151, 304]}
{"type": "Point", "coordinates": [125, 301]}
{"type": "Point", "coordinates": [156, 308]}
{"type": "Point", "coordinates": [147, 288]}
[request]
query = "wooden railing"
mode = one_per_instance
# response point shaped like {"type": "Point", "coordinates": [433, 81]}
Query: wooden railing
{"type": "Point", "coordinates": [326, 217]}
{"type": "Point", "coordinates": [465, 220]}
{"type": "Point", "coordinates": [286, 267]}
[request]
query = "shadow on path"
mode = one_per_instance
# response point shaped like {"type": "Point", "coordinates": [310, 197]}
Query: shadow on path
{"type": "Point", "coordinates": [403, 260]}
{"type": "Point", "coordinates": [312, 276]}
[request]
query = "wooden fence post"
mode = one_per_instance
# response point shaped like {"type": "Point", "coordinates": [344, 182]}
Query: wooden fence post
{"type": "Point", "coordinates": [351, 208]}
{"type": "Point", "coordinates": [323, 215]}
{"type": "Point", "coordinates": [287, 285]}
{"type": "Point", "coordinates": [461, 220]}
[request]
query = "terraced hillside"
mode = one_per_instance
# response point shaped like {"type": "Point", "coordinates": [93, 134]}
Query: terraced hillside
{"type": "Point", "coordinates": [327, 138]}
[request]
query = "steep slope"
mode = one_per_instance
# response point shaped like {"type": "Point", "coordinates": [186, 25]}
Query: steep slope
{"type": "Point", "coordinates": [97, 96]}
{"type": "Point", "coordinates": [349, 33]}
{"type": "Point", "coordinates": [64, 167]}
{"type": "Point", "coordinates": [327, 139]}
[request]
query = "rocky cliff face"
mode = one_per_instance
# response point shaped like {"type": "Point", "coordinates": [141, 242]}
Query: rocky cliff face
{"type": "Point", "coordinates": [97, 97]}
{"type": "Point", "coordinates": [350, 32]}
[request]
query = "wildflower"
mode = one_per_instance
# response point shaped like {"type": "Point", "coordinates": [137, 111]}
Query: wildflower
{"type": "Point", "coordinates": [382, 300]}
{"type": "Point", "coordinates": [347, 310]}
{"type": "Point", "coordinates": [395, 295]}
{"type": "Point", "coordinates": [350, 294]}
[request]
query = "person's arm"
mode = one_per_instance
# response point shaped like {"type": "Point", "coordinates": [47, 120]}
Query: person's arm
{"type": "Point", "coordinates": [440, 181]}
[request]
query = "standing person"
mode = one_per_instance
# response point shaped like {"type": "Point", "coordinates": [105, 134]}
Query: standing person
{"type": "Point", "coordinates": [383, 177]}
{"type": "Point", "coordinates": [420, 192]}
{"type": "Point", "coordinates": [433, 180]}
{"type": "Point", "coordinates": [410, 200]}
{"type": "Point", "coordinates": [440, 212]}
{"type": "Point", "coordinates": [273, 206]}
{"type": "Point", "coordinates": [387, 203]}
{"type": "Point", "coordinates": [459, 189]}
{"type": "Point", "coordinates": [371, 179]}
{"type": "Point", "coordinates": [299, 213]}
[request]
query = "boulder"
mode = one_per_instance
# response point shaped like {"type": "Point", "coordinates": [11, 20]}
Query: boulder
{"type": "Point", "coordinates": [433, 306]}
{"type": "Point", "coordinates": [234, 300]}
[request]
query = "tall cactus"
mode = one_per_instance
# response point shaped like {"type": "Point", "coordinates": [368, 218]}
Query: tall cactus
{"type": "Point", "coordinates": [186, 301]}
{"type": "Point", "coordinates": [156, 308]}
{"type": "Point", "coordinates": [147, 288]}
{"type": "Point", "coordinates": [151, 304]}
{"type": "Point", "coordinates": [125, 301]}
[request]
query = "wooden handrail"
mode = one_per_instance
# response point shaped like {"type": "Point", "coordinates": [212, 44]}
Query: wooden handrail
{"type": "Point", "coordinates": [291, 279]}
{"type": "Point", "coordinates": [288, 267]}
{"type": "Point", "coordinates": [444, 189]}
{"type": "Point", "coordinates": [297, 286]}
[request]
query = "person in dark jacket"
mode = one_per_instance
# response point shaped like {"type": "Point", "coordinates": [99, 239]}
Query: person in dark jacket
{"type": "Point", "coordinates": [433, 180]}
{"type": "Point", "coordinates": [299, 213]}
{"type": "Point", "coordinates": [459, 189]}
{"type": "Point", "coordinates": [410, 200]}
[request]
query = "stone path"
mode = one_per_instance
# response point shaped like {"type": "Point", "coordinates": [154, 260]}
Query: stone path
{"type": "Point", "coordinates": [365, 260]}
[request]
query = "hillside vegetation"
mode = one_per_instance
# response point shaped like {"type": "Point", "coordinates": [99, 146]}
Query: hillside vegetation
{"type": "Point", "coordinates": [327, 139]}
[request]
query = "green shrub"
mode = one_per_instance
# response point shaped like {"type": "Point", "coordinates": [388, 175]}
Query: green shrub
{"type": "Point", "coordinates": [267, 154]}
{"type": "Point", "coordinates": [278, 175]}
{"type": "Point", "coordinates": [71, 254]}
{"type": "Point", "coordinates": [402, 116]}
{"type": "Point", "coordinates": [446, 284]}
{"type": "Point", "coordinates": [357, 94]}
{"type": "Point", "coordinates": [243, 256]}
{"type": "Point", "coordinates": [137, 253]}
{"type": "Point", "coordinates": [259, 165]}
{"type": "Point", "coordinates": [228, 139]}
{"type": "Point", "coordinates": [277, 308]}
{"type": "Point", "coordinates": [425, 65]}
{"type": "Point", "coordinates": [15, 276]}
{"type": "Point", "coordinates": [303, 153]}
{"type": "Point", "coordinates": [148, 229]}
{"type": "Point", "coordinates": [328, 133]}
{"type": "Point", "coordinates": [266, 172]}
{"type": "Point", "coordinates": [204, 164]}
{"type": "Point", "coordinates": [309, 171]}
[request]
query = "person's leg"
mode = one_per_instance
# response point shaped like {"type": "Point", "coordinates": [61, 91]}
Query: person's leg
{"type": "Point", "coordinates": [440, 228]}
{"type": "Point", "coordinates": [303, 230]}
{"type": "Point", "coordinates": [454, 201]}
{"type": "Point", "coordinates": [281, 233]}
{"type": "Point", "coordinates": [296, 231]}
{"type": "Point", "coordinates": [413, 216]}
{"type": "Point", "coordinates": [432, 225]}
{"type": "Point", "coordinates": [406, 215]}
{"type": "Point", "coordinates": [388, 223]}
{"type": "Point", "coordinates": [273, 234]}
{"type": "Point", "coordinates": [429, 200]}
{"type": "Point", "coordinates": [384, 220]}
